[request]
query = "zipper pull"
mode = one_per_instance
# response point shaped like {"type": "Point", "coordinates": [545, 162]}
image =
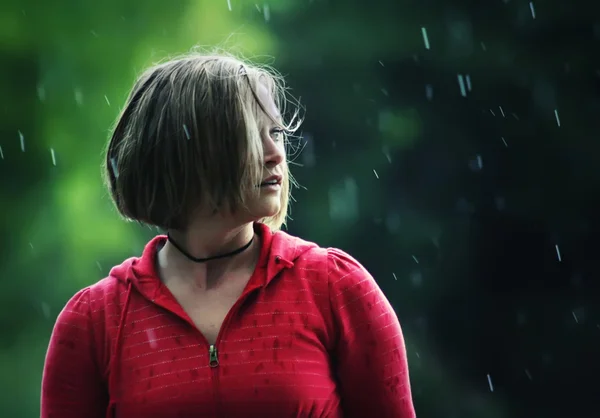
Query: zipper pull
{"type": "Point", "coordinates": [213, 357]}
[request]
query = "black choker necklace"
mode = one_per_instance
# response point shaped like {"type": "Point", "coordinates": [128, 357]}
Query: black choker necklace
{"type": "Point", "coordinates": [203, 260]}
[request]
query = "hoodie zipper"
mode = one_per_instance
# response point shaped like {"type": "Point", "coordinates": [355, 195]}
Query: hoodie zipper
{"type": "Point", "coordinates": [213, 357]}
{"type": "Point", "coordinates": [213, 363]}
{"type": "Point", "coordinates": [213, 352]}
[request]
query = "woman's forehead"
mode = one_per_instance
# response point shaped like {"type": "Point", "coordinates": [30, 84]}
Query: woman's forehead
{"type": "Point", "coordinates": [268, 103]}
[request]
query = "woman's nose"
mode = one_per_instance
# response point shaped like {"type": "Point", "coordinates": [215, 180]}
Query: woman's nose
{"type": "Point", "coordinates": [274, 153]}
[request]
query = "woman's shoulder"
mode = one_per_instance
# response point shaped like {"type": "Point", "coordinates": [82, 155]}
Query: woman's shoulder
{"type": "Point", "coordinates": [331, 260]}
{"type": "Point", "coordinates": [97, 297]}
{"type": "Point", "coordinates": [330, 264]}
{"type": "Point", "coordinates": [311, 254]}
{"type": "Point", "coordinates": [348, 287]}
{"type": "Point", "coordinates": [345, 277]}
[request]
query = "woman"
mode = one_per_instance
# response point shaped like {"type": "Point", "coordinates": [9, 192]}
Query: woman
{"type": "Point", "coordinates": [225, 315]}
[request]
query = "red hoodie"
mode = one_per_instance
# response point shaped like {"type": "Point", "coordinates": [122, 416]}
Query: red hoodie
{"type": "Point", "coordinates": [311, 336]}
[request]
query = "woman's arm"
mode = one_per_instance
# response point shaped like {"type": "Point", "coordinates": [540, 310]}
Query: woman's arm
{"type": "Point", "coordinates": [370, 355]}
{"type": "Point", "coordinates": [72, 386]}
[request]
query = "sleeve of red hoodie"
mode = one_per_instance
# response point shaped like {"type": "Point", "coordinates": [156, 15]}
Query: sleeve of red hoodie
{"type": "Point", "coordinates": [370, 356]}
{"type": "Point", "coordinates": [72, 385]}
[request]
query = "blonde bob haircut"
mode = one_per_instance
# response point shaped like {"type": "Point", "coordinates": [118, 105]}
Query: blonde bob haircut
{"type": "Point", "coordinates": [188, 138]}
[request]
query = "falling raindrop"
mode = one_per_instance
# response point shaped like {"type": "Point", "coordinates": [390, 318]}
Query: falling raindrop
{"type": "Point", "coordinates": [477, 163]}
{"type": "Point", "coordinates": [376, 175]}
{"type": "Point", "coordinates": [187, 133]}
{"type": "Point", "coordinates": [415, 258]}
{"type": "Point", "coordinates": [489, 379]}
{"type": "Point", "coordinates": [394, 274]}
{"type": "Point", "coordinates": [557, 118]}
{"type": "Point", "coordinates": [528, 374]}
{"type": "Point", "coordinates": [468, 80]}
{"type": "Point", "coordinates": [22, 140]}
{"type": "Point", "coordinates": [267, 12]}
{"type": "Point", "coordinates": [579, 315]}
{"type": "Point", "coordinates": [229, 4]}
{"type": "Point", "coordinates": [425, 37]}
{"type": "Point", "coordinates": [502, 111]}
{"type": "Point", "coordinates": [53, 155]}
{"type": "Point", "coordinates": [106, 98]}
{"type": "Point", "coordinates": [461, 84]}
{"type": "Point", "coordinates": [386, 152]}
{"type": "Point", "coordinates": [532, 8]}
{"type": "Point", "coordinates": [504, 141]}
{"type": "Point", "coordinates": [1, 153]}
{"type": "Point", "coordinates": [558, 253]}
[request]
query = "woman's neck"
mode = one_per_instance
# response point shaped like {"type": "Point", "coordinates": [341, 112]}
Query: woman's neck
{"type": "Point", "coordinates": [204, 242]}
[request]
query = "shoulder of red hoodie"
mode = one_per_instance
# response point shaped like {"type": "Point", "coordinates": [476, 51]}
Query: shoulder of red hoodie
{"type": "Point", "coordinates": [98, 307]}
{"type": "Point", "coordinates": [362, 329]}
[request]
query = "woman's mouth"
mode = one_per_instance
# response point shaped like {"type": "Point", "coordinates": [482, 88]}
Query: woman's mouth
{"type": "Point", "coordinates": [273, 183]}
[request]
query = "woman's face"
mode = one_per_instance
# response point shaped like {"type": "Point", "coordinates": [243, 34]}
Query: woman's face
{"type": "Point", "coordinates": [268, 203]}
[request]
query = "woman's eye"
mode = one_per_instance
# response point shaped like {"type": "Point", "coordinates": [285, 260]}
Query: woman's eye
{"type": "Point", "coordinates": [277, 134]}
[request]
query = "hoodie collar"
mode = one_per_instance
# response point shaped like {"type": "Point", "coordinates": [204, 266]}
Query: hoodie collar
{"type": "Point", "coordinates": [279, 251]}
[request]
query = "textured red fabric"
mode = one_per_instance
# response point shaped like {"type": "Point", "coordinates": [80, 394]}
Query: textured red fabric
{"type": "Point", "coordinates": [311, 336]}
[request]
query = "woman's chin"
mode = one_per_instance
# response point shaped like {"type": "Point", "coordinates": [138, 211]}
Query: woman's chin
{"type": "Point", "coordinates": [268, 207]}
{"type": "Point", "coordinates": [265, 208]}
